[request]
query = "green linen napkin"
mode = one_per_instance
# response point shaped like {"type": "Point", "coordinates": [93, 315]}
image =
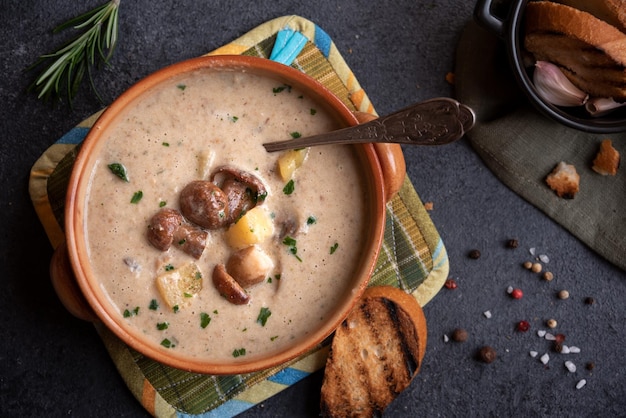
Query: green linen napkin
{"type": "Point", "coordinates": [521, 147]}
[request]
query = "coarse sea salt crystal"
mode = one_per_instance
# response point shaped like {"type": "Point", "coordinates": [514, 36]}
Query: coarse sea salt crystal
{"type": "Point", "coordinates": [545, 358]}
{"type": "Point", "coordinates": [533, 354]}
{"type": "Point", "coordinates": [532, 251]}
{"type": "Point", "coordinates": [571, 367]}
{"type": "Point", "coordinates": [445, 338]}
{"type": "Point", "coordinates": [509, 290]}
{"type": "Point", "coordinates": [544, 258]}
{"type": "Point", "coordinates": [487, 314]}
{"type": "Point", "coordinates": [541, 333]}
{"type": "Point", "coordinates": [565, 350]}
{"type": "Point", "coordinates": [574, 349]}
{"type": "Point", "coordinates": [550, 337]}
{"type": "Point", "coordinates": [581, 383]}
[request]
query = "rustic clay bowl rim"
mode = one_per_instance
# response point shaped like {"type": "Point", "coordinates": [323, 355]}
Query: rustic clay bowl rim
{"type": "Point", "coordinates": [77, 191]}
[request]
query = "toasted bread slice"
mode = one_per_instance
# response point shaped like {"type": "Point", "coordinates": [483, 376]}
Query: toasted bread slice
{"type": "Point", "coordinates": [612, 12]}
{"type": "Point", "coordinates": [590, 52]}
{"type": "Point", "coordinates": [375, 354]}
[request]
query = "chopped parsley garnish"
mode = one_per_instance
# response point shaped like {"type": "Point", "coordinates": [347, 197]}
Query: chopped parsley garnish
{"type": "Point", "coordinates": [175, 308]}
{"type": "Point", "coordinates": [234, 118]}
{"type": "Point", "coordinates": [264, 314]}
{"type": "Point", "coordinates": [282, 88]}
{"type": "Point", "coordinates": [119, 170]}
{"type": "Point", "coordinates": [167, 343]}
{"type": "Point", "coordinates": [154, 305]}
{"type": "Point", "coordinates": [166, 144]}
{"type": "Point", "coordinates": [187, 295]}
{"type": "Point", "coordinates": [313, 111]}
{"type": "Point", "coordinates": [169, 267]}
{"type": "Point", "coordinates": [239, 352]}
{"type": "Point", "coordinates": [181, 87]}
{"type": "Point", "coordinates": [205, 319]}
{"type": "Point", "coordinates": [311, 220]}
{"type": "Point", "coordinates": [162, 203]}
{"type": "Point", "coordinates": [273, 338]}
{"type": "Point", "coordinates": [128, 313]}
{"type": "Point", "coordinates": [289, 187]}
{"type": "Point", "coordinates": [136, 197]}
{"type": "Point", "coordinates": [291, 243]}
{"type": "Point", "coordinates": [162, 326]}
{"type": "Point", "coordinates": [334, 248]}
{"type": "Point", "coordinates": [182, 241]}
{"type": "Point", "coordinates": [295, 134]}
{"type": "Point", "coordinates": [198, 275]}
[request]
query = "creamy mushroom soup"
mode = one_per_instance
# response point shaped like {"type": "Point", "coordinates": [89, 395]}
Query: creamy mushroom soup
{"type": "Point", "coordinates": [177, 252]}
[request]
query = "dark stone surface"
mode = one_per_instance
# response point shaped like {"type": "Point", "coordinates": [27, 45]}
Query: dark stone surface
{"type": "Point", "coordinates": [52, 364]}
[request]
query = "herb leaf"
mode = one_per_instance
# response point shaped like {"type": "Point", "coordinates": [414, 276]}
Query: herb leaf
{"type": "Point", "coordinates": [119, 170]}
{"type": "Point", "coordinates": [264, 314]}
{"type": "Point", "coordinates": [205, 319]}
{"type": "Point", "coordinates": [136, 197]}
{"type": "Point", "coordinates": [289, 187]}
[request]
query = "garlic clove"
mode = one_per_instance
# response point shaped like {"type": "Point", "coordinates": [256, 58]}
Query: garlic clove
{"type": "Point", "coordinates": [554, 87]}
{"type": "Point", "coordinates": [600, 106]}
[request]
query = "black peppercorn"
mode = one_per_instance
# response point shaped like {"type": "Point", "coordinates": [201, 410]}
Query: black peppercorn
{"type": "Point", "coordinates": [474, 254]}
{"type": "Point", "coordinates": [512, 243]}
{"type": "Point", "coordinates": [459, 335]}
{"type": "Point", "coordinates": [589, 300]}
{"type": "Point", "coordinates": [487, 354]}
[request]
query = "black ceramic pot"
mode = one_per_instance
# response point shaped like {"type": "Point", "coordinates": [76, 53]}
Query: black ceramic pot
{"type": "Point", "coordinates": [511, 30]}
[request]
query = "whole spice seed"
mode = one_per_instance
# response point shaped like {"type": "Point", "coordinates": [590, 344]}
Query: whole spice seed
{"type": "Point", "coordinates": [536, 268]}
{"type": "Point", "coordinates": [459, 335]}
{"type": "Point", "coordinates": [548, 276]}
{"type": "Point", "coordinates": [563, 294]}
{"type": "Point", "coordinates": [558, 347]}
{"type": "Point", "coordinates": [551, 323]}
{"type": "Point", "coordinates": [590, 365]}
{"type": "Point", "coordinates": [450, 284]}
{"type": "Point", "coordinates": [474, 254]}
{"type": "Point", "coordinates": [528, 265]}
{"type": "Point", "coordinates": [589, 300]}
{"type": "Point", "coordinates": [517, 293]}
{"type": "Point", "coordinates": [523, 326]}
{"type": "Point", "coordinates": [487, 354]}
{"type": "Point", "coordinates": [512, 243]}
{"type": "Point", "coordinates": [559, 338]}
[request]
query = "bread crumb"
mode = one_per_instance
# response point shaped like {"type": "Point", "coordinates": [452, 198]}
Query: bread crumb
{"type": "Point", "coordinates": [564, 180]}
{"type": "Point", "coordinates": [429, 205]}
{"type": "Point", "coordinates": [607, 160]}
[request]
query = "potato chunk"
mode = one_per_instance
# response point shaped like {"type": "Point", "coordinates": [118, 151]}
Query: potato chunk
{"type": "Point", "coordinates": [252, 228]}
{"type": "Point", "coordinates": [290, 161]}
{"type": "Point", "coordinates": [179, 286]}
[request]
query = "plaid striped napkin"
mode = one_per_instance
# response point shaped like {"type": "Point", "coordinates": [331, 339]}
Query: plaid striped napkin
{"type": "Point", "coordinates": [413, 256]}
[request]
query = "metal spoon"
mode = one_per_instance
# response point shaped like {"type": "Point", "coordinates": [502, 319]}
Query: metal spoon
{"type": "Point", "coordinates": [432, 122]}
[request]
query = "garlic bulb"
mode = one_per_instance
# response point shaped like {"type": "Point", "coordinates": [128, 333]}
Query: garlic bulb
{"type": "Point", "coordinates": [599, 106]}
{"type": "Point", "coordinates": [554, 87]}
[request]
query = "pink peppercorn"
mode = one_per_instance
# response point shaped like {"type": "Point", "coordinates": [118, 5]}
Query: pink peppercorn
{"type": "Point", "coordinates": [523, 326]}
{"type": "Point", "coordinates": [517, 293]}
{"type": "Point", "coordinates": [450, 284]}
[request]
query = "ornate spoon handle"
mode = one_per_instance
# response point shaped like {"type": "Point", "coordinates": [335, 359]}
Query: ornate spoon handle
{"type": "Point", "coordinates": [432, 122]}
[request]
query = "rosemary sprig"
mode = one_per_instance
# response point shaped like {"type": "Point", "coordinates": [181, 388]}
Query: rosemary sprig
{"type": "Point", "coordinates": [65, 68]}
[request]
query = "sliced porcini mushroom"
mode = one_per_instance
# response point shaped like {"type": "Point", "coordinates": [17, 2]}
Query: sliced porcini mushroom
{"type": "Point", "coordinates": [243, 190]}
{"type": "Point", "coordinates": [228, 287]}
{"type": "Point", "coordinates": [249, 266]}
{"type": "Point", "coordinates": [240, 198]}
{"type": "Point", "coordinates": [204, 204]}
{"type": "Point", "coordinates": [162, 226]}
{"type": "Point", "coordinates": [191, 240]}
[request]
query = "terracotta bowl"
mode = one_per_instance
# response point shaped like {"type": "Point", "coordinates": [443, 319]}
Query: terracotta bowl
{"type": "Point", "coordinates": [80, 289]}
